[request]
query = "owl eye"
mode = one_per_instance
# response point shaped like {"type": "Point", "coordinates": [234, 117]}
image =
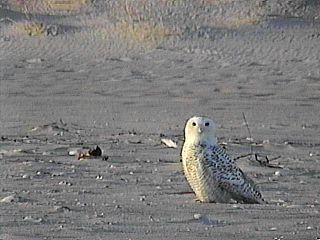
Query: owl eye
{"type": "Point", "coordinates": [207, 124]}
{"type": "Point", "coordinates": [194, 124]}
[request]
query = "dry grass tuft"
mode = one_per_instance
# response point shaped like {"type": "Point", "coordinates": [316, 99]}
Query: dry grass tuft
{"type": "Point", "coordinates": [67, 5]}
{"type": "Point", "coordinates": [218, 2]}
{"type": "Point", "coordinates": [142, 33]}
{"type": "Point", "coordinates": [172, 2]}
{"type": "Point", "coordinates": [30, 28]}
{"type": "Point", "coordinates": [240, 21]}
{"type": "Point", "coordinates": [47, 6]}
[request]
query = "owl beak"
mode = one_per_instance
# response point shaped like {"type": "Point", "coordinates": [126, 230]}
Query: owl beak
{"type": "Point", "coordinates": [200, 130]}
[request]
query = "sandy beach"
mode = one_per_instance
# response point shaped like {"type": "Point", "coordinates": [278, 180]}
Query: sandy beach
{"type": "Point", "coordinates": [122, 75]}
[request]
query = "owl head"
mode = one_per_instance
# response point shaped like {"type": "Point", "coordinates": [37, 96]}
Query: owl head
{"type": "Point", "coordinates": [200, 130]}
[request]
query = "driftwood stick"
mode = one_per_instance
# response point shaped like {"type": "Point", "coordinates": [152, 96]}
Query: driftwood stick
{"type": "Point", "coordinates": [265, 161]}
{"type": "Point", "coordinates": [7, 19]}
{"type": "Point", "coordinates": [262, 160]}
{"type": "Point", "coordinates": [249, 132]}
{"type": "Point", "coordinates": [243, 156]}
{"type": "Point", "coordinates": [247, 125]}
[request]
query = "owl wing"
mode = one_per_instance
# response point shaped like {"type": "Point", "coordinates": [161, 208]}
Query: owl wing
{"type": "Point", "coordinates": [231, 179]}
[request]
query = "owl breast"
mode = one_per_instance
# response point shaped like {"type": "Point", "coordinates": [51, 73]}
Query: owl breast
{"type": "Point", "coordinates": [202, 174]}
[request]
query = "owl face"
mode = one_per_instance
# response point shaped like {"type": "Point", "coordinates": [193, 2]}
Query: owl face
{"type": "Point", "coordinates": [200, 130]}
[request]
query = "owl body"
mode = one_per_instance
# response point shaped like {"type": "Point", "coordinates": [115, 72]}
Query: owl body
{"type": "Point", "coordinates": [212, 174]}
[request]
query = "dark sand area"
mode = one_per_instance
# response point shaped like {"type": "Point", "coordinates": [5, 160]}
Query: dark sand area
{"type": "Point", "coordinates": [125, 74]}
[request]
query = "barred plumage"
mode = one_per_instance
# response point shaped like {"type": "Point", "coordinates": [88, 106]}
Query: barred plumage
{"type": "Point", "coordinates": [211, 172]}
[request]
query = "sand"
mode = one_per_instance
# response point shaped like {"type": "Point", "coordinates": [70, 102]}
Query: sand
{"type": "Point", "coordinates": [125, 75]}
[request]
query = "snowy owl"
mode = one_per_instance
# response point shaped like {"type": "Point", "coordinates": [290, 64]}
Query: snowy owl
{"type": "Point", "coordinates": [212, 174]}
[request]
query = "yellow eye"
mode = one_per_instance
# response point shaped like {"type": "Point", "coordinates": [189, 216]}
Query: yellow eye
{"type": "Point", "coordinates": [194, 124]}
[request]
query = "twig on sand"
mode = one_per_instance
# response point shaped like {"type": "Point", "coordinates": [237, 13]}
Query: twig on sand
{"type": "Point", "coordinates": [26, 11]}
{"type": "Point", "coordinates": [243, 156]}
{"type": "Point", "coordinates": [7, 19]}
{"type": "Point", "coordinates": [249, 132]}
{"type": "Point", "coordinates": [265, 161]}
{"type": "Point", "coordinates": [262, 160]}
{"type": "Point", "coordinates": [247, 125]}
